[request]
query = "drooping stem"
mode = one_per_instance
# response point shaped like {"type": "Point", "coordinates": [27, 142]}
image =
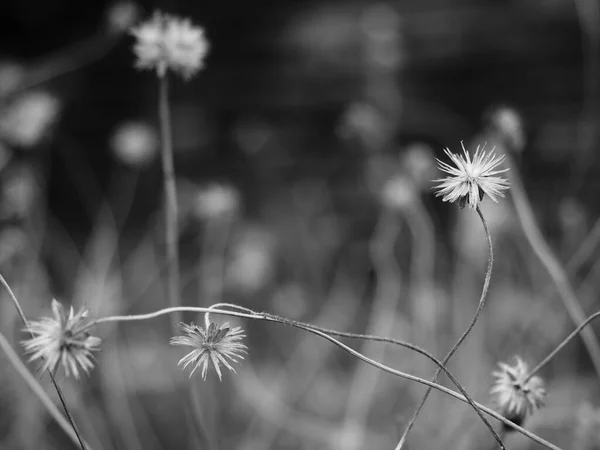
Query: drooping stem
{"type": "Point", "coordinates": [325, 334]}
{"type": "Point", "coordinates": [61, 397]}
{"type": "Point", "coordinates": [433, 385]}
{"type": "Point", "coordinates": [482, 299]}
{"type": "Point", "coordinates": [170, 196]}
{"type": "Point", "coordinates": [408, 345]}
{"type": "Point", "coordinates": [560, 346]}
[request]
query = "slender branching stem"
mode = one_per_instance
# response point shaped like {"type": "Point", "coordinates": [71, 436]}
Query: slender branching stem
{"type": "Point", "coordinates": [552, 265]}
{"type": "Point", "coordinates": [170, 192]}
{"type": "Point", "coordinates": [52, 377]}
{"type": "Point", "coordinates": [264, 316]}
{"type": "Point", "coordinates": [560, 346]}
{"type": "Point", "coordinates": [480, 306]}
{"type": "Point", "coordinates": [38, 390]}
{"type": "Point", "coordinates": [367, 337]}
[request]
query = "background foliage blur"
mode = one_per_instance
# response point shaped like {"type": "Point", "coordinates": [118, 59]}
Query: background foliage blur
{"type": "Point", "coordinates": [304, 154]}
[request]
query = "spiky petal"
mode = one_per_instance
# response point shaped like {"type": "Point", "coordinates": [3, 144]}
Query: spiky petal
{"type": "Point", "coordinates": [515, 394]}
{"type": "Point", "coordinates": [212, 345]}
{"type": "Point", "coordinates": [62, 340]}
{"type": "Point", "coordinates": [471, 178]}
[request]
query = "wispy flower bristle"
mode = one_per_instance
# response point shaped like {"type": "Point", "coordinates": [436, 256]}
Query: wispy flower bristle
{"type": "Point", "coordinates": [516, 394]}
{"type": "Point", "coordinates": [212, 345]}
{"type": "Point", "coordinates": [62, 340]}
{"type": "Point", "coordinates": [471, 178]}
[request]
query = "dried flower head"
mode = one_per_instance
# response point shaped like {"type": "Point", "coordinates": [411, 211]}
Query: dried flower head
{"type": "Point", "coordinates": [62, 339]}
{"type": "Point", "coordinates": [215, 345]}
{"type": "Point", "coordinates": [516, 395]}
{"type": "Point", "coordinates": [471, 179]}
{"type": "Point", "coordinates": [168, 42]}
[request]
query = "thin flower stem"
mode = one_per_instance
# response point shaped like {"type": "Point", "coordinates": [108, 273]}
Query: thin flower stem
{"type": "Point", "coordinates": [171, 230]}
{"type": "Point", "coordinates": [264, 316]}
{"type": "Point", "coordinates": [38, 390]}
{"type": "Point", "coordinates": [56, 386]}
{"type": "Point", "coordinates": [553, 266]}
{"type": "Point", "coordinates": [162, 312]}
{"type": "Point", "coordinates": [562, 345]}
{"type": "Point", "coordinates": [480, 306]}
{"type": "Point", "coordinates": [430, 384]}
{"type": "Point", "coordinates": [170, 191]}
{"type": "Point", "coordinates": [408, 345]}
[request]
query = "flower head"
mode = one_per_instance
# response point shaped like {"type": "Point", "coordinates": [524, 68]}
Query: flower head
{"type": "Point", "coordinates": [168, 42]}
{"type": "Point", "coordinates": [62, 339]}
{"type": "Point", "coordinates": [215, 344]}
{"type": "Point", "coordinates": [516, 395]}
{"type": "Point", "coordinates": [471, 179]}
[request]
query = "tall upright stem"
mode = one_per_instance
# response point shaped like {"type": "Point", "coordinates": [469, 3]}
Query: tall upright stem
{"type": "Point", "coordinates": [480, 306]}
{"type": "Point", "coordinates": [170, 192]}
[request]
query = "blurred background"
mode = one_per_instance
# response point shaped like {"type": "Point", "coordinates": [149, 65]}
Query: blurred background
{"type": "Point", "coordinates": [304, 157]}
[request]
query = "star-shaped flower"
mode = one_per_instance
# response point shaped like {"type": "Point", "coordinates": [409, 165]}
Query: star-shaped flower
{"type": "Point", "coordinates": [471, 178]}
{"type": "Point", "coordinates": [62, 340]}
{"type": "Point", "coordinates": [215, 344]}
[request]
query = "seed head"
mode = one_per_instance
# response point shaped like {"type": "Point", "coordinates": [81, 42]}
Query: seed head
{"type": "Point", "coordinates": [215, 344]}
{"type": "Point", "coordinates": [169, 42]}
{"type": "Point", "coordinates": [516, 396]}
{"type": "Point", "coordinates": [62, 340]}
{"type": "Point", "coordinates": [471, 179]}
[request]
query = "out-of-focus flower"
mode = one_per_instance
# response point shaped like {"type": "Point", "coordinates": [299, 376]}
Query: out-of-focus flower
{"type": "Point", "coordinates": [417, 161]}
{"type": "Point", "coordinates": [120, 16]}
{"type": "Point", "coordinates": [216, 201]}
{"type": "Point", "coordinates": [135, 143]}
{"type": "Point", "coordinates": [169, 42]}
{"type": "Point", "coordinates": [366, 123]}
{"type": "Point", "coordinates": [398, 193]}
{"type": "Point", "coordinates": [471, 179]}
{"type": "Point", "coordinates": [19, 192]}
{"type": "Point", "coordinates": [252, 261]}
{"type": "Point", "coordinates": [62, 340]}
{"type": "Point", "coordinates": [516, 396]}
{"type": "Point", "coordinates": [13, 242]}
{"type": "Point", "coordinates": [11, 75]}
{"type": "Point", "coordinates": [27, 119]}
{"type": "Point", "coordinates": [507, 123]}
{"type": "Point", "coordinates": [384, 44]}
{"type": "Point", "coordinates": [213, 345]}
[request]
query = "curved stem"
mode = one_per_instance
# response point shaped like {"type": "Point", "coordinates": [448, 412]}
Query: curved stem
{"type": "Point", "coordinates": [264, 316]}
{"type": "Point", "coordinates": [480, 306]}
{"type": "Point", "coordinates": [552, 265]}
{"type": "Point", "coordinates": [56, 386]}
{"type": "Point", "coordinates": [408, 345]}
{"type": "Point", "coordinates": [430, 384]}
{"type": "Point", "coordinates": [554, 352]}
{"type": "Point", "coordinates": [175, 309]}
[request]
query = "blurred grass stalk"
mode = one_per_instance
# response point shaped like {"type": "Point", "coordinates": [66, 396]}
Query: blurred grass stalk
{"type": "Point", "coordinates": [381, 322]}
{"type": "Point", "coordinates": [550, 262]}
